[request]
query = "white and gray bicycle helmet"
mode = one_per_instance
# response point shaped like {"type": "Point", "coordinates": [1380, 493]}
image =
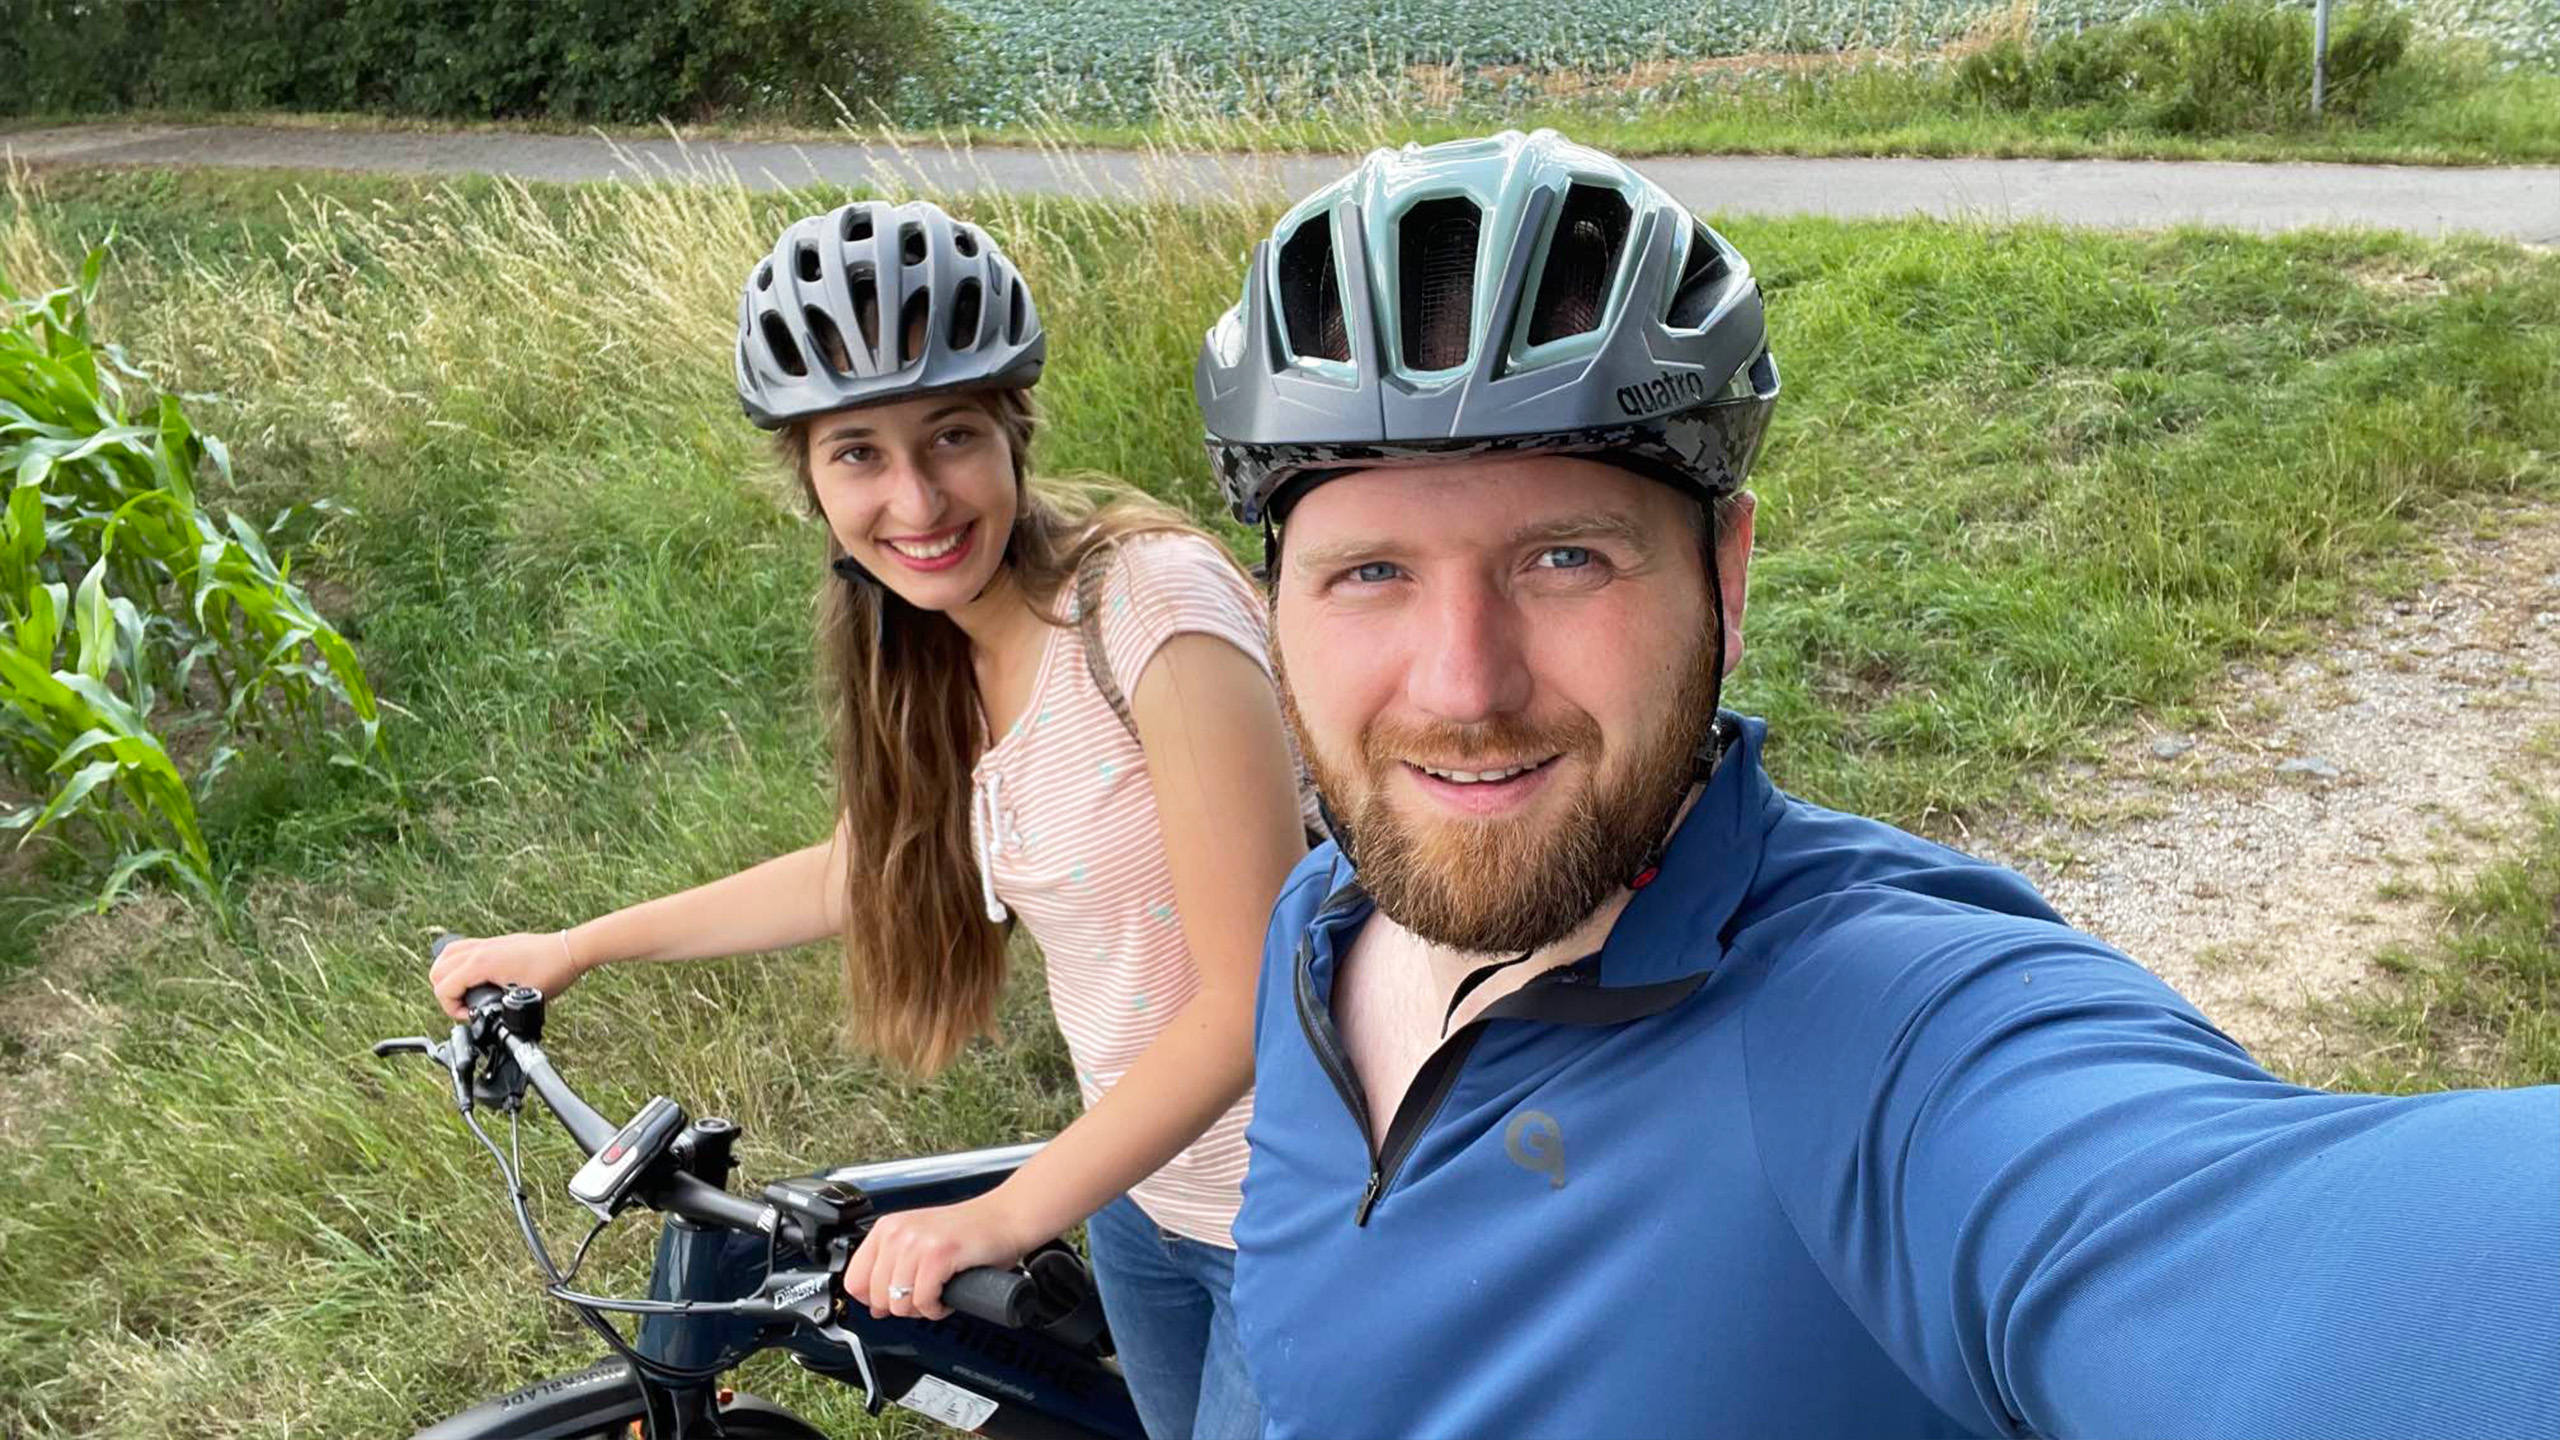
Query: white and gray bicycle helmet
{"type": "Point", "coordinates": [874, 301]}
{"type": "Point", "coordinates": [1517, 294]}
{"type": "Point", "coordinates": [1513, 295]}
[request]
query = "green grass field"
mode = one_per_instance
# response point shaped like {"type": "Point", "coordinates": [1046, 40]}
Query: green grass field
{"type": "Point", "coordinates": [2026, 484]}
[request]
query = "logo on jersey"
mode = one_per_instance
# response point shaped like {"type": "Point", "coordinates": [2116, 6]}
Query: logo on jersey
{"type": "Point", "coordinates": [1536, 1142]}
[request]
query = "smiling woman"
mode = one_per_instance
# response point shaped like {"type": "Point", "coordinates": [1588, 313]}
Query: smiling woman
{"type": "Point", "coordinates": [1136, 809]}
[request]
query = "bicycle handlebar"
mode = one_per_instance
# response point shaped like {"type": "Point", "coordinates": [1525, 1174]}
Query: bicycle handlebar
{"type": "Point", "coordinates": [999, 1296]}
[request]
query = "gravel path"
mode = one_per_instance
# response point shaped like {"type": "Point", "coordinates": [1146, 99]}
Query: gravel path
{"type": "Point", "coordinates": [2514, 202]}
{"type": "Point", "coordinates": [2260, 864]}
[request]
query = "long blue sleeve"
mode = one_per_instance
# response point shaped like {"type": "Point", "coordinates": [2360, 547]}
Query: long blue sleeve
{"type": "Point", "coordinates": [2068, 1206]}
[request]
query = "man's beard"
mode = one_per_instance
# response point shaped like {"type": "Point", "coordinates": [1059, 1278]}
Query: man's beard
{"type": "Point", "coordinates": [1509, 885]}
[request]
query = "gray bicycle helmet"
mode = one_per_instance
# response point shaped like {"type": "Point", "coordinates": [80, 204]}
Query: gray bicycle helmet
{"type": "Point", "coordinates": [1517, 294]}
{"type": "Point", "coordinates": [874, 301]}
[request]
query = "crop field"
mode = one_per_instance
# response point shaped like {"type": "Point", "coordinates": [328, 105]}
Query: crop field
{"type": "Point", "coordinates": [1127, 60]}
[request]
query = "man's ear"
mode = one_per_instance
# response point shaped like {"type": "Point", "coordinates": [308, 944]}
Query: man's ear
{"type": "Point", "coordinates": [1733, 566]}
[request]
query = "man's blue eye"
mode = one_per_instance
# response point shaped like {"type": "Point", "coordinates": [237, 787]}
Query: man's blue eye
{"type": "Point", "coordinates": [1565, 557]}
{"type": "Point", "coordinates": [1376, 572]}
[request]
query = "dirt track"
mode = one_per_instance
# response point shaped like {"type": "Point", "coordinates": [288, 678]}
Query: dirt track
{"type": "Point", "coordinates": [2261, 863]}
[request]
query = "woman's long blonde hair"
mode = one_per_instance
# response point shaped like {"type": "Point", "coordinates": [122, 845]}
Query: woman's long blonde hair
{"type": "Point", "coordinates": [923, 965]}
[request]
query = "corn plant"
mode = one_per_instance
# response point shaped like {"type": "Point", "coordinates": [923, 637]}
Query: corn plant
{"type": "Point", "coordinates": [127, 614]}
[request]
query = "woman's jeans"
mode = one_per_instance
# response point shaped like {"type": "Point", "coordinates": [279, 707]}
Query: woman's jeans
{"type": "Point", "coordinates": [1167, 1299]}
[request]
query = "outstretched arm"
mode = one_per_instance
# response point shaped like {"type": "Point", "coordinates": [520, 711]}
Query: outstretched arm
{"type": "Point", "coordinates": [2070, 1207]}
{"type": "Point", "coordinates": [790, 900]}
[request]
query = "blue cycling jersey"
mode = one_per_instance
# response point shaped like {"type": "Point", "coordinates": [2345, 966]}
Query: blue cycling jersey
{"type": "Point", "coordinates": [1845, 1133]}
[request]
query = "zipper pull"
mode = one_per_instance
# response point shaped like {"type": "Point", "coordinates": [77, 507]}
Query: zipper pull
{"type": "Point", "coordinates": [1368, 1198]}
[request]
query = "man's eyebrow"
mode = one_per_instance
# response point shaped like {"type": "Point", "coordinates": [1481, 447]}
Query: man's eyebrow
{"type": "Point", "coordinates": [1340, 555]}
{"type": "Point", "coordinates": [1595, 525]}
{"type": "Point", "coordinates": [1562, 530]}
{"type": "Point", "coordinates": [855, 430]}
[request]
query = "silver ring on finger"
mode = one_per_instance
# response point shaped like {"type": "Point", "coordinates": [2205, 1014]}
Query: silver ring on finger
{"type": "Point", "coordinates": [901, 1292]}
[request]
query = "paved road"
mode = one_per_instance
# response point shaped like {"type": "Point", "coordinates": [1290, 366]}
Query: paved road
{"type": "Point", "coordinates": [2520, 203]}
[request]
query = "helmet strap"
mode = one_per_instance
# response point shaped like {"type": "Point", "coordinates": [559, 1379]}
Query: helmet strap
{"type": "Point", "coordinates": [1702, 767]}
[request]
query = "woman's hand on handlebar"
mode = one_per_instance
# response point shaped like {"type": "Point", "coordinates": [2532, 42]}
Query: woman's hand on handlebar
{"type": "Point", "coordinates": [910, 1255]}
{"type": "Point", "coordinates": [544, 962]}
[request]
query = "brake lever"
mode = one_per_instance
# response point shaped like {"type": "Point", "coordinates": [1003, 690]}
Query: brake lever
{"type": "Point", "coordinates": [459, 1052]}
{"type": "Point", "coordinates": [872, 1400]}
{"type": "Point", "coordinates": [823, 1311]}
{"type": "Point", "coordinates": [443, 1055]}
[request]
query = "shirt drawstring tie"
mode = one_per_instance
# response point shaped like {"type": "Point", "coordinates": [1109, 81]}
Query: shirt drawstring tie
{"type": "Point", "coordinates": [985, 822]}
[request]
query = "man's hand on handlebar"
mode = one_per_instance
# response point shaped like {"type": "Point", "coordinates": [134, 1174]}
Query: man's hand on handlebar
{"type": "Point", "coordinates": [543, 961]}
{"type": "Point", "coordinates": [902, 1266]}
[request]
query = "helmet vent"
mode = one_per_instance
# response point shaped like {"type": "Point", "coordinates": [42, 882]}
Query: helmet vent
{"type": "Point", "coordinates": [805, 261]}
{"type": "Point", "coordinates": [1020, 316]}
{"type": "Point", "coordinates": [764, 276]}
{"type": "Point", "coordinates": [857, 223]}
{"type": "Point", "coordinates": [1701, 281]}
{"type": "Point", "coordinates": [1311, 293]}
{"type": "Point", "coordinates": [965, 305]}
{"type": "Point", "coordinates": [1582, 263]}
{"type": "Point", "coordinates": [965, 240]}
{"type": "Point", "coordinates": [1438, 306]}
{"type": "Point", "coordinates": [777, 338]}
{"type": "Point", "coordinates": [866, 305]}
{"type": "Point", "coordinates": [827, 340]}
{"type": "Point", "coordinates": [911, 322]}
{"type": "Point", "coordinates": [911, 243]}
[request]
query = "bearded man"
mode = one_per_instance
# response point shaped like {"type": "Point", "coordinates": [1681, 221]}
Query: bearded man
{"type": "Point", "coordinates": [1606, 1090]}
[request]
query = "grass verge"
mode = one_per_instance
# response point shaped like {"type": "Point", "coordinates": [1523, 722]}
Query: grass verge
{"type": "Point", "coordinates": [2482, 1005]}
{"type": "Point", "coordinates": [2025, 483]}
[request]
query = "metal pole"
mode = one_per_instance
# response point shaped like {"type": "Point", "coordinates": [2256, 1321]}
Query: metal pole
{"type": "Point", "coordinates": [2319, 53]}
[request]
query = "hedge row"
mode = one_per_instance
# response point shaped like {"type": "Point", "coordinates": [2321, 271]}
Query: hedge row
{"type": "Point", "coordinates": [595, 60]}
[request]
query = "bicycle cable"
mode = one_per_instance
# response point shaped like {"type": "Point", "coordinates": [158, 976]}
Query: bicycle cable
{"type": "Point", "coordinates": [640, 1364]}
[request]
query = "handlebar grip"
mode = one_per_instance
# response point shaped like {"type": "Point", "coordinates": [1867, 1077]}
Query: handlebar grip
{"type": "Point", "coordinates": [482, 994]}
{"type": "Point", "coordinates": [1001, 1297]}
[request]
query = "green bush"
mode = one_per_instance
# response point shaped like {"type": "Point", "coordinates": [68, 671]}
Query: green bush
{"type": "Point", "coordinates": [2213, 68]}
{"type": "Point", "coordinates": [120, 596]}
{"type": "Point", "coordinates": [561, 59]}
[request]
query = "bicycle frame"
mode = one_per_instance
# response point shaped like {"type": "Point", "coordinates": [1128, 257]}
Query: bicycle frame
{"type": "Point", "coordinates": [1036, 1387]}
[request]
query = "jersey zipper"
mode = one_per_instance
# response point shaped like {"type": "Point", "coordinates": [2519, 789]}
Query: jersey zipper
{"type": "Point", "coordinates": [1421, 1105]}
{"type": "Point", "coordinates": [1422, 1099]}
{"type": "Point", "coordinates": [1317, 1023]}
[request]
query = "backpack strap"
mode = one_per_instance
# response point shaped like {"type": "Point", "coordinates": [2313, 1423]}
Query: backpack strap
{"type": "Point", "coordinates": [1091, 572]}
{"type": "Point", "coordinates": [1089, 580]}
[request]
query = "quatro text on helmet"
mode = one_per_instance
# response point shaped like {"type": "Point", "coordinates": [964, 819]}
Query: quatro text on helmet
{"type": "Point", "coordinates": [1671, 387]}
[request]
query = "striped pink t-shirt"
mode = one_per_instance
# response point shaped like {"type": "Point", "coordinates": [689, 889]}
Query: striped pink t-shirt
{"type": "Point", "coordinates": [1064, 819]}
